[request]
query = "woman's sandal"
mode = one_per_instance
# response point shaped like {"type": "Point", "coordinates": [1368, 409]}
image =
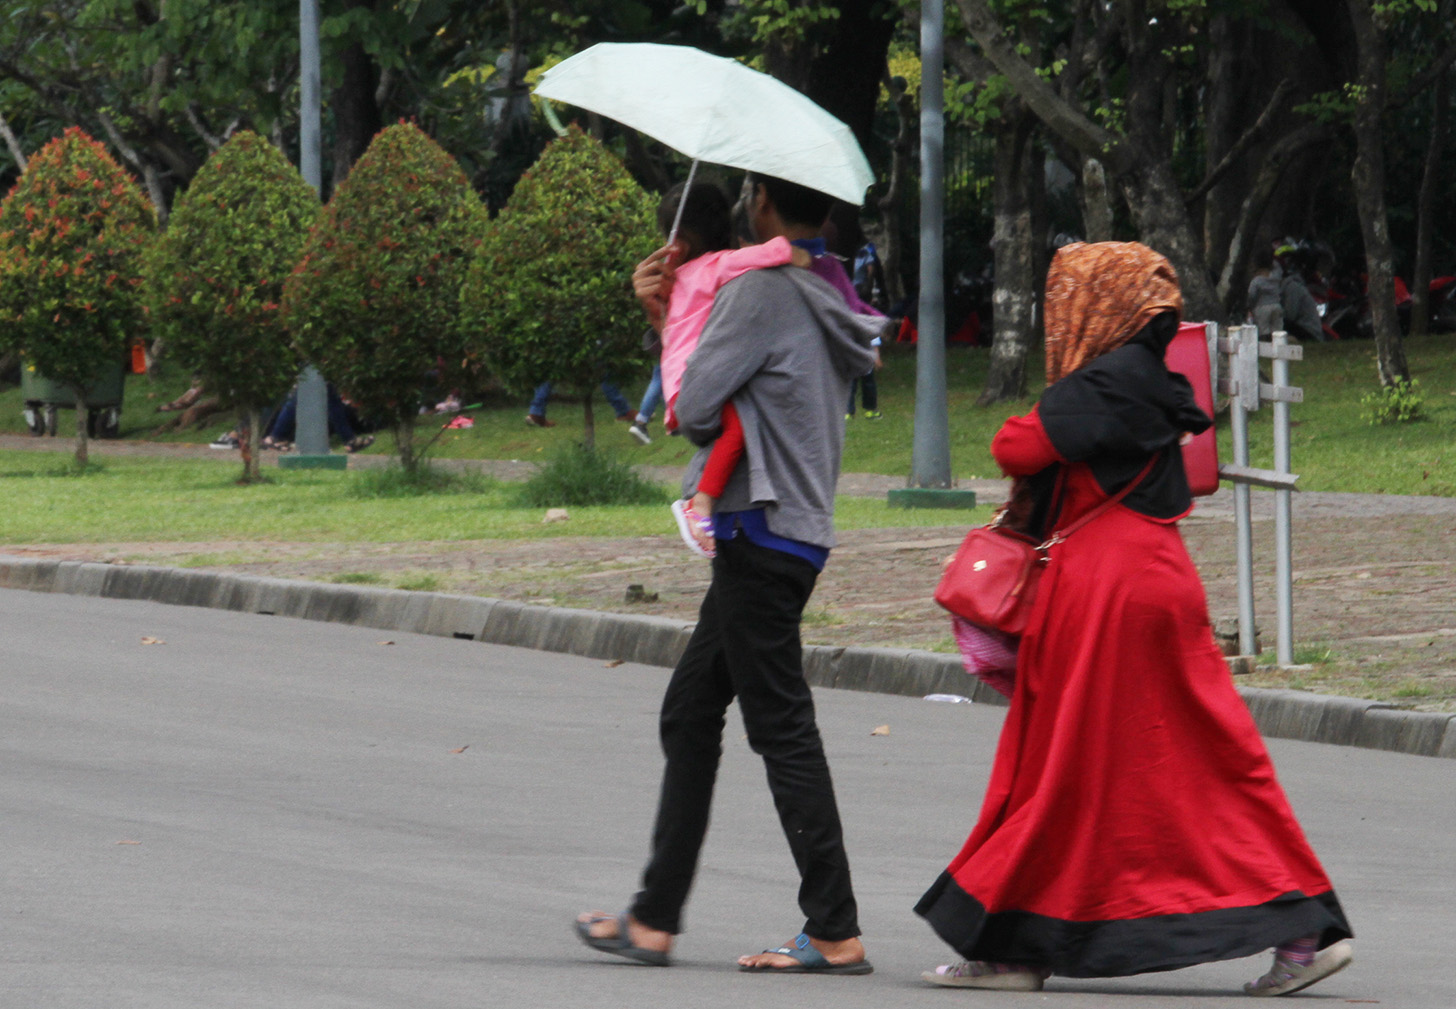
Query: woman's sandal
{"type": "Point", "coordinates": [808, 960]}
{"type": "Point", "coordinates": [621, 943]}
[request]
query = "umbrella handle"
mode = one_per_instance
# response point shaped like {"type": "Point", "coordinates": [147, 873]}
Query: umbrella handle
{"type": "Point", "coordinates": [682, 202]}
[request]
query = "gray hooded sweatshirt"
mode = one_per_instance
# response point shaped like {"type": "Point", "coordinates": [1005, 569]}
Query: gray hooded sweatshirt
{"type": "Point", "coordinates": [784, 347]}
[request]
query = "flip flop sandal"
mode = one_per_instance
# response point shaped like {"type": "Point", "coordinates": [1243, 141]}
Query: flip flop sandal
{"type": "Point", "coordinates": [619, 944]}
{"type": "Point", "coordinates": [808, 961]}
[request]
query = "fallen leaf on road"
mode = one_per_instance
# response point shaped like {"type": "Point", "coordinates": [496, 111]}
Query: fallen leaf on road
{"type": "Point", "coordinates": [128, 842]}
{"type": "Point", "coordinates": [614, 663]}
{"type": "Point", "coordinates": [153, 641]}
{"type": "Point", "coordinates": [462, 749]}
{"type": "Point", "coordinates": [384, 642]}
{"type": "Point", "coordinates": [881, 730]}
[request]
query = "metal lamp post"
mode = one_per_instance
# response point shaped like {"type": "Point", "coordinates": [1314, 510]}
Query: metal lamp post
{"type": "Point", "coordinates": [311, 434]}
{"type": "Point", "coordinates": [930, 483]}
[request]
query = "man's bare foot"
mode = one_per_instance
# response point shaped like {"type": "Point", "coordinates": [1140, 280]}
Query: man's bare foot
{"type": "Point", "coordinates": [845, 951]}
{"type": "Point", "coordinates": [603, 925]}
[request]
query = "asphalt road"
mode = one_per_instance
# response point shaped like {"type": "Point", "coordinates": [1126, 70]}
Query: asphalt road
{"type": "Point", "coordinates": [273, 813]}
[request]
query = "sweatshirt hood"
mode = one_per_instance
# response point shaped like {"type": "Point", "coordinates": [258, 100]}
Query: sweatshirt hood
{"type": "Point", "coordinates": [847, 334]}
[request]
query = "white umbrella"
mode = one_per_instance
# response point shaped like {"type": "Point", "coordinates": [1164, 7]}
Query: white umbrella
{"type": "Point", "coordinates": [716, 110]}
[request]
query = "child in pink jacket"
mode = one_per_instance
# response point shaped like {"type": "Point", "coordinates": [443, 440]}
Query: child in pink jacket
{"type": "Point", "coordinates": [709, 261]}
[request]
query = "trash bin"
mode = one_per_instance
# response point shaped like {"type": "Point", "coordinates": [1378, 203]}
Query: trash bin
{"type": "Point", "coordinates": [43, 397]}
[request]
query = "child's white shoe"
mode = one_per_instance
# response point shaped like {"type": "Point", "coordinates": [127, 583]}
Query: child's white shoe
{"type": "Point", "coordinates": [686, 519]}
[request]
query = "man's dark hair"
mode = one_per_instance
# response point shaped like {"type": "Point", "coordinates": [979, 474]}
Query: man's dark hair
{"type": "Point", "coordinates": [742, 226]}
{"type": "Point", "coordinates": [796, 204]}
{"type": "Point", "coordinates": [1263, 258]}
{"type": "Point", "coordinates": [705, 214]}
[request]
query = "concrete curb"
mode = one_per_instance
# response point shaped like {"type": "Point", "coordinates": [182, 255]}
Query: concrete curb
{"type": "Point", "coordinates": [658, 641]}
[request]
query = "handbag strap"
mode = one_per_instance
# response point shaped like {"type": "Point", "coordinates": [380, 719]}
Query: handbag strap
{"type": "Point", "coordinates": [1060, 534]}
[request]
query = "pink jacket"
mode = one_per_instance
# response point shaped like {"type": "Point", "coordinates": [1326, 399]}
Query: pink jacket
{"type": "Point", "coordinates": [697, 282]}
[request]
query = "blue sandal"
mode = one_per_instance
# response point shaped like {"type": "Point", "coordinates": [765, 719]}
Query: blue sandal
{"type": "Point", "coordinates": [809, 961]}
{"type": "Point", "coordinates": [621, 943]}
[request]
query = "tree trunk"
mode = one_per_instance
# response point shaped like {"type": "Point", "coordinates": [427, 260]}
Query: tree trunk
{"type": "Point", "coordinates": [1096, 204]}
{"type": "Point", "coordinates": [1014, 296]}
{"type": "Point", "coordinates": [82, 416]}
{"type": "Point", "coordinates": [845, 79]}
{"type": "Point", "coordinates": [1368, 176]}
{"type": "Point", "coordinates": [889, 237]}
{"type": "Point", "coordinates": [17, 153]}
{"type": "Point", "coordinates": [252, 443]}
{"type": "Point", "coordinates": [356, 113]}
{"type": "Point", "coordinates": [1223, 114]}
{"type": "Point", "coordinates": [1232, 281]}
{"type": "Point", "coordinates": [588, 422]}
{"type": "Point", "coordinates": [1421, 284]}
{"type": "Point", "coordinates": [404, 444]}
{"type": "Point", "coordinates": [1163, 223]}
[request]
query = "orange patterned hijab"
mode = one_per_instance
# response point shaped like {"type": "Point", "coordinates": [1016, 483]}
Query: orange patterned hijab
{"type": "Point", "coordinates": [1098, 296]}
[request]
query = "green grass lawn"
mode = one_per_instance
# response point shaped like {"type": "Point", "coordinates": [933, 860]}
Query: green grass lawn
{"type": "Point", "coordinates": [1334, 447]}
{"type": "Point", "coordinates": [138, 499]}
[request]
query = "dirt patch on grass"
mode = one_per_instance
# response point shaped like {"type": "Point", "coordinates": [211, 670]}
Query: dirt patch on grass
{"type": "Point", "coordinates": [1375, 588]}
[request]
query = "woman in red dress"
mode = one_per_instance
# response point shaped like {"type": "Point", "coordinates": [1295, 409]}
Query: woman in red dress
{"type": "Point", "coordinates": [1133, 822]}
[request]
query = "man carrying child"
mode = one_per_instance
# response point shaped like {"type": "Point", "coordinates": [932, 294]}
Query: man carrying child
{"type": "Point", "coordinates": [783, 347]}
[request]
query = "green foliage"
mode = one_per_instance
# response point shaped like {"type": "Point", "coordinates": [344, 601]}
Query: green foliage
{"type": "Point", "coordinates": [548, 295]}
{"type": "Point", "coordinates": [1400, 403]}
{"type": "Point", "coordinates": [786, 20]}
{"type": "Point", "coordinates": [373, 301]}
{"type": "Point", "coordinates": [398, 482]}
{"type": "Point", "coordinates": [580, 475]}
{"type": "Point", "coordinates": [72, 233]}
{"type": "Point", "coordinates": [215, 278]}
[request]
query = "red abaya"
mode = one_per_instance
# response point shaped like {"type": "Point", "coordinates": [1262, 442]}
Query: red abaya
{"type": "Point", "coordinates": [1133, 821]}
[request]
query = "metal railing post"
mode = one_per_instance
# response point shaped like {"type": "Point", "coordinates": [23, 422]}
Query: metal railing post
{"type": "Point", "coordinates": [1283, 506]}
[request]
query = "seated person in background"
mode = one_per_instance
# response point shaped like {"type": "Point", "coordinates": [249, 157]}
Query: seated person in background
{"type": "Point", "coordinates": [1301, 314]}
{"type": "Point", "coordinates": [281, 432]}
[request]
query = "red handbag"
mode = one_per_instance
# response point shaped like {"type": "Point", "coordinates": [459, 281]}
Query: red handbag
{"type": "Point", "coordinates": [992, 579]}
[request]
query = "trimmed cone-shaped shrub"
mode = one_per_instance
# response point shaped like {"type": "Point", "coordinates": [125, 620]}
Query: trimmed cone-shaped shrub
{"type": "Point", "coordinates": [549, 294]}
{"type": "Point", "coordinates": [72, 233]}
{"type": "Point", "coordinates": [373, 301]}
{"type": "Point", "coordinates": [215, 277]}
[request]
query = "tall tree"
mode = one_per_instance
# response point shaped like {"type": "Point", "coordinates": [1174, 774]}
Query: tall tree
{"type": "Point", "coordinates": [1017, 170]}
{"type": "Point", "coordinates": [1368, 174]}
{"type": "Point", "coordinates": [1136, 145]}
{"type": "Point", "coordinates": [72, 232]}
{"type": "Point", "coordinates": [546, 296]}
{"type": "Point", "coordinates": [215, 278]}
{"type": "Point", "coordinates": [373, 301]}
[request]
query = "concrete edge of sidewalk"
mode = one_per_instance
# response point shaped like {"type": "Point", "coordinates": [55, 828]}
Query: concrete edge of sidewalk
{"type": "Point", "coordinates": [658, 641]}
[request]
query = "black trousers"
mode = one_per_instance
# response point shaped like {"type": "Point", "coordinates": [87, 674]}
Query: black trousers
{"type": "Point", "coordinates": [746, 645]}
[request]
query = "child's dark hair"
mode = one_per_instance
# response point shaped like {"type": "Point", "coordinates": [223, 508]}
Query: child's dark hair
{"type": "Point", "coordinates": [796, 204]}
{"type": "Point", "coordinates": [705, 215]}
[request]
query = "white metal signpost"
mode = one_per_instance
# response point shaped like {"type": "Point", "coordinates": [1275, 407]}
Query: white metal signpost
{"type": "Point", "coordinates": [1237, 370]}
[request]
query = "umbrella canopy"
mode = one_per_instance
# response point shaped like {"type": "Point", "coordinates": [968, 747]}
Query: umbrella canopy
{"type": "Point", "coordinates": [714, 109]}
